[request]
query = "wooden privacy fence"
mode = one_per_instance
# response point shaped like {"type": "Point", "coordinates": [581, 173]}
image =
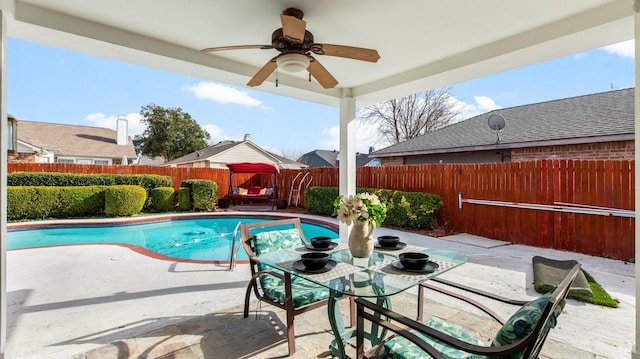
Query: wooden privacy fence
{"type": "Point", "coordinates": [595, 183]}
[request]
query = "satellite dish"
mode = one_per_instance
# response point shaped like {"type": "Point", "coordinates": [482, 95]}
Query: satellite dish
{"type": "Point", "coordinates": [497, 122]}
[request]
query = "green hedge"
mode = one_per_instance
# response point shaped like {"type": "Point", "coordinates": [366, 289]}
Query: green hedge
{"type": "Point", "coordinates": [38, 202]}
{"type": "Point", "coordinates": [184, 199]}
{"type": "Point", "coordinates": [203, 193]}
{"type": "Point", "coordinates": [415, 210]}
{"type": "Point", "coordinates": [147, 181]}
{"type": "Point", "coordinates": [162, 199]}
{"type": "Point", "coordinates": [124, 200]}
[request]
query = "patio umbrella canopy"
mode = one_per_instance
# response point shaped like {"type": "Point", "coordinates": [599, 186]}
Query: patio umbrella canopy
{"type": "Point", "coordinates": [252, 167]}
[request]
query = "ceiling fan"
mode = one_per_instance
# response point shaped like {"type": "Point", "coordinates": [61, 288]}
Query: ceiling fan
{"type": "Point", "coordinates": [295, 45]}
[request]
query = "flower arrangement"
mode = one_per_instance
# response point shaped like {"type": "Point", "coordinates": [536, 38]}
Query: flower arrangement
{"type": "Point", "coordinates": [362, 207]}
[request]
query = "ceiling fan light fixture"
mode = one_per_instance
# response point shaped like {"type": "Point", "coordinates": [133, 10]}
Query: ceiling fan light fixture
{"type": "Point", "coordinates": [293, 62]}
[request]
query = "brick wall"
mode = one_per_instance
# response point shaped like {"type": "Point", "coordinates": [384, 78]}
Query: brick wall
{"type": "Point", "coordinates": [391, 161]}
{"type": "Point", "coordinates": [21, 157]}
{"type": "Point", "coordinates": [620, 150]}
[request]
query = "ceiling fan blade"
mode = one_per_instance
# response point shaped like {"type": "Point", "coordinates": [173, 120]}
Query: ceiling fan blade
{"type": "Point", "coordinates": [321, 74]}
{"type": "Point", "coordinates": [350, 52]}
{"type": "Point", "coordinates": [238, 47]}
{"type": "Point", "coordinates": [293, 28]}
{"type": "Point", "coordinates": [263, 73]}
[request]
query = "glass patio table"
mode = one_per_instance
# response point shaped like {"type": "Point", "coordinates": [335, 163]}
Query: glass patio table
{"type": "Point", "coordinates": [373, 277]}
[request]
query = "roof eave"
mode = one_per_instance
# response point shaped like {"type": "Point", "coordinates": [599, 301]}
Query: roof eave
{"type": "Point", "coordinates": [504, 146]}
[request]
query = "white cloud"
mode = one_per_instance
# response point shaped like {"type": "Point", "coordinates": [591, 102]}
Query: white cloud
{"type": "Point", "coordinates": [222, 94]}
{"type": "Point", "coordinates": [481, 105]}
{"type": "Point", "coordinates": [135, 127]}
{"type": "Point", "coordinates": [366, 136]}
{"type": "Point", "coordinates": [623, 49]}
{"type": "Point", "coordinates": [216, 133]}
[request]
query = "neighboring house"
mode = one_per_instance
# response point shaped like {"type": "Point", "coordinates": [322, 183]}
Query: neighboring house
{"type": "Point", "coordinates": [324, 158]}
{"type": "Point", "coordinates": [150, 161]}
{"type": "Point", "coordinates": [597, 126]}
{"type": "Point", "coordinates": [223, 152]}
{"type": "Point", "coordinates": [43, 142]}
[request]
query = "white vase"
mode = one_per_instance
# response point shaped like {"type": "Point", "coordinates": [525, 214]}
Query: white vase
{"type": "Point", "coordinates": [361, 239]}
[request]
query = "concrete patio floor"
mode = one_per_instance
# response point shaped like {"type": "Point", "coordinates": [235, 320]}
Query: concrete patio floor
{"type": "Point", "coordinates": [99, 301]}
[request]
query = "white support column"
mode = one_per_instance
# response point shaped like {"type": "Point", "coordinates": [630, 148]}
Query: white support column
{"type": "Point", "coordinates": [3, 183]}
{"type": "Point", "coordinates": [635, 354]}
{"type": "Point", "coordinates": [347, 154]}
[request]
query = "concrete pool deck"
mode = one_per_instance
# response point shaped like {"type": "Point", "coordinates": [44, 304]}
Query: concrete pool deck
{"type": "Point", "coordinates": [72, 301]}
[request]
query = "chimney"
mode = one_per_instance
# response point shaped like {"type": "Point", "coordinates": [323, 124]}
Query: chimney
{"type": "Point", "coordinates": [247, 137]}
{"type": "Point", "coordinates": [122, 137]}
{"type": "Point", "coordinates": [371, 149]}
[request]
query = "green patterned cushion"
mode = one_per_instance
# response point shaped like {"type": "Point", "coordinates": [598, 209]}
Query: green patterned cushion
{"type": "Point", "coordinates": [400, 347]}
{"type": "Point", "coordinates": [523, 321]}
{"type": "Point", "coordinates": [274, 240]}
{"type": "Point", "coordinates": [304, 292]}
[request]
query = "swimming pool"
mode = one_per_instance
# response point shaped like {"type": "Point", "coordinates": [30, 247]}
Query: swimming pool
{"type": "Point", "coordinates": [192, 239]}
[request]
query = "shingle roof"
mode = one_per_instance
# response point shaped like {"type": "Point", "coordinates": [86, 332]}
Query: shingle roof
{"type": "Point", "coordinates": [326, 158]}
{"type": "Point", "coordinates": [225, 145]}
{"type": "Point", "coordinates": [583, 117]}
{"type": "Point", "coordinates": [73, 140]}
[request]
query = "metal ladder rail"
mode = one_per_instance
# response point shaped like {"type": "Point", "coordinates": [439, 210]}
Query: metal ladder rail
{"type": "Point", "coordinates": [234, 249]}
{"type": "Point", "coordinates": [302, 181]}
{"type": "Point", "coordinates": [292, 190]}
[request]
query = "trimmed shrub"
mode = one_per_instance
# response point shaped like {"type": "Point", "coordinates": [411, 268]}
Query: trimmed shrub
{"type": "Point", "coordinates": [204, 193]}
{"type": "Point", "coordinates": [37, 202]}
{"type": "Point", "coordinates": [319, 200]}
{"type": "Point", "coordinates": [124, 200]}
{"type": "Point", "coordinates": [162, 199]}
{"type": "Point", "coordinates": [148, 182]}
{"type": "Point", "coordinates": [415, 210]}
{"type": "Point", "coordinates": [184, 199]}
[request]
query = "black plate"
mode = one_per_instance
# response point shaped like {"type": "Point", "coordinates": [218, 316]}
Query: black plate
{"type": "Point", "coordinates": [400, 245]}
{"type": "Point", "coordinates": [430, 267]}
{"type": "Point", "coordinates": [297, 265]}
{"type": "Point", "coordinates": [311, 247]}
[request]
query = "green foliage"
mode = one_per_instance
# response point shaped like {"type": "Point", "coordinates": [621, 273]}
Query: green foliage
{"type": "Point", "coordinates": [170, 133]}
{"type": "Point", "coordinates": [162, 199]}
{"type": "Point", "coordinates": [124, 200]}
{"type": "Point", "coordinates": [320, 200]}
{"type": "Point", "coordinates": [204, 193]}
{"type": "Point", "coordinates": [148, 182]}
{"type": "Point", "coordinates": [415, 210]}
{"type": "Point", "coordinates": [184, 199]}
{"type": "Point", "coordinates": [38, 202]}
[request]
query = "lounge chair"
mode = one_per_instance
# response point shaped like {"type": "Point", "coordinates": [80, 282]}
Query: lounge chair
{"type": "Point", "coordinates": [438, 339]}
{"type": "Point", "coordinates": [296, 296]}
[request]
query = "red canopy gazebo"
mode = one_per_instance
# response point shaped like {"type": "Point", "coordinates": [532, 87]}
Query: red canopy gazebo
{"type": "Point", "coordinates": [255, 192]}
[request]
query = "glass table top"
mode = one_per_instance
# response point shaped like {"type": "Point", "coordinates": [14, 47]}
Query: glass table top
{"type": "Point", "coordinates": [376, 276]}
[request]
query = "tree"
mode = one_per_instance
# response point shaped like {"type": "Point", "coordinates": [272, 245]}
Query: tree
{"type": "Point", "coordinates": [411, 116]}
{"type": "Point", "coordinates": [170, 133]}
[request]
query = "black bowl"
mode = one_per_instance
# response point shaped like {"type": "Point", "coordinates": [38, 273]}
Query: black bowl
{"type": "Point", "coordinates": [314, 260]}
{"type": "Point", "coordinates": [388, 241]}
{"type": "Point", "coordinates": [414, 260]}
{"type": "Point", "coordinates": [320, 242]}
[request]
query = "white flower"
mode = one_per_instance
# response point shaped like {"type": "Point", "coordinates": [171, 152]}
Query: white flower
{"type": "Point", "coordinates": [360, 208]}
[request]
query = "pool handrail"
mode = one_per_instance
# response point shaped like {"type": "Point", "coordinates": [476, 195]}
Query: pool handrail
{"type": "Point", "coordinates": [234, 249]}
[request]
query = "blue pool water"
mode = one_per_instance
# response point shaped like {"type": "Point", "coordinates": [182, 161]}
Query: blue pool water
{"type": "Point", "coordinates": [193, 238]}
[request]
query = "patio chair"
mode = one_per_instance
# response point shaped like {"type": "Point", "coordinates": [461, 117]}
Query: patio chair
{"type": "Point", "coordinates": [521, 336]}
{"type": "Point", "coordinates": [269, 285]}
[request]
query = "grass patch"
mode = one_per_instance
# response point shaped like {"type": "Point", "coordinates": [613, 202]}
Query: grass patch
{"type": "Point", "coordinates": [600, 296]}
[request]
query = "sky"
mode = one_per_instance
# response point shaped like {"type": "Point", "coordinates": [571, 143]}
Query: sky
{"type": "Point", "coordinates": [48, 84]}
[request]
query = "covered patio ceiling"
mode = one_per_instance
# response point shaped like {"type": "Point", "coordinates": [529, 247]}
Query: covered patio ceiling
{"type": "Point", "coordinates": [423, 44]}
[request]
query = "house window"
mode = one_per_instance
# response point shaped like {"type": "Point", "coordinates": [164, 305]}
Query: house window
{"type": "Point", "coordinates": [12, 131]}
{"type": "Point", "coordinates": [66, 160]}
{"type": "Point", "coordinates": [101, 162]}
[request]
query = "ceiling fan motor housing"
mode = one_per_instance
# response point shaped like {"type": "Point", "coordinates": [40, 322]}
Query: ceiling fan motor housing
{"type": "Point", "coordinates": [281, 44]}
